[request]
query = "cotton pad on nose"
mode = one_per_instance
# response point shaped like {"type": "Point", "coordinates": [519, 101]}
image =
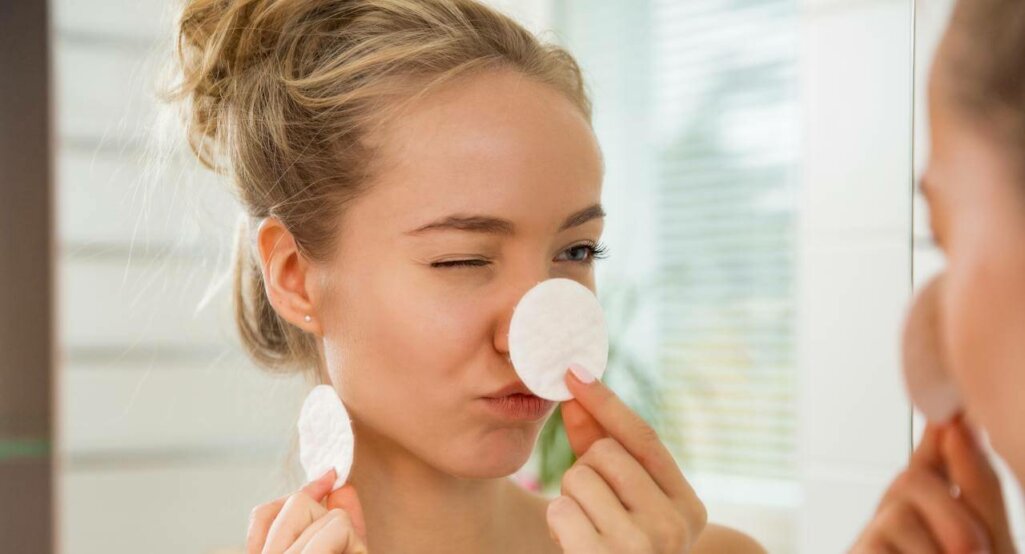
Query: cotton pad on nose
{"type": "Point", "coordinates": [556, 323]}
{"type": "Point", "coordinates": [925, 371]}
{"type": "Point", "coordinates": [325, 435]}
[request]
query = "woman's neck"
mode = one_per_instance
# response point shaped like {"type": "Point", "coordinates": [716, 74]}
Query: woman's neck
{"type": "Point", "coordinates": [413, 508]}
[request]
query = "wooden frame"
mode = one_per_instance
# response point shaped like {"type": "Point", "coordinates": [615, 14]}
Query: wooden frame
{"type": "Point", "coordinates": [27, 507]}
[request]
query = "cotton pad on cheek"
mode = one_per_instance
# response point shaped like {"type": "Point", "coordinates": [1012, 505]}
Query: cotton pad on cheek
{"type": "Point", "coordinates": [926, 373]}
{"type": "Point", "coordinates": [325, 435]}
{"type": "Point", "coordinates": [555, 324]}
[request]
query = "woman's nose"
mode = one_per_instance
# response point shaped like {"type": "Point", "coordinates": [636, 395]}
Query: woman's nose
{"type": "Point", "coordinates": [511, 296]}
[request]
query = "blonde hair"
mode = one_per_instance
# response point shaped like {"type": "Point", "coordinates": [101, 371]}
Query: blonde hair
{"type": "Point", "coordinates": [280, 95]}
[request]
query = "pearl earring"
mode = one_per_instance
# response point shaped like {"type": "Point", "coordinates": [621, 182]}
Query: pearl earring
{"type": "Point", "coordinates": [307, 318]}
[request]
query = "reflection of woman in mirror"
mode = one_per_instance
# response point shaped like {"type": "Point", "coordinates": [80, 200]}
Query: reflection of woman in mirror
{"type": "Point", "coordinates": [949, 499]}
{"type": "Point", "coordinates": [409, 169]}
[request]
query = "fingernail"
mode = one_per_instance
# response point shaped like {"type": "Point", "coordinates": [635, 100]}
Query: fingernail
{"type": "Point", "coordinates": [581, 373]}
{"type": "Point", "coordinates": [326, 473]}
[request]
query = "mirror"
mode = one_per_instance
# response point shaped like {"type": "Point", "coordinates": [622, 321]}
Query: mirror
{"type": "Point", "coordinates": [759, 161]}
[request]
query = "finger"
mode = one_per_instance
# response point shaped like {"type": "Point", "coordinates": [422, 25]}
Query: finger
{"type": "Point", "coordinates": [346, 499]}
{"type": "Point", "coordinates": [631, 483]}
{"type": "Point", "coordinates": [260, 520]}
{"type": "Point", "coordinates": [871, 540]}
{"type": "Point", "coordinates": [263, 516]}
{"type": "Point", "coordinates": [624, 425]}
{"type": "Point", "coordinates": [904, 531]}
{"type": "Point", "coordinates": [970, 470]}
{"type": "Point", "coordinates": [949, 521]}
{"type": "Point", "coordinates": [570, 526]}
{"type": "Point", "coordinates": [336, 537]}
{"type": "Point", "coordinates": [926, 457]}
{"type": "Point", "coordinates": [320, 487]}
{"type": "Point", "coordinates": [581, 429]}
{"type": "Point", "coordinates": [307, 535]}
{"type": "Point", "coordinates": [296, 515]}
{"type": "Point", "coordinates": [650, 507]}
{"type": "Point", "coordinates": [608, 515]}
{"type": "Point", "coordinates": [927, 454]}
{"type": "Point", "coordinates": [878, 547]}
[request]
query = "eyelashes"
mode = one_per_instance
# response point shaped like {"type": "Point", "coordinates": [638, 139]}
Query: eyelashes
{"type": "Point", "coordinates": [596, 251]}
{"type": "Point", "coordinates": [461, 263]}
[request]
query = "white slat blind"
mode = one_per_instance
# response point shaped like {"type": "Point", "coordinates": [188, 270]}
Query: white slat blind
{"type": "Point", "coordinates": [163, 424]}
{"type": "Point", "coordinates": [717, 80]}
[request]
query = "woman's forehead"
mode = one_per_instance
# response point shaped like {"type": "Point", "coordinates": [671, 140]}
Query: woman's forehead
{"type": "Point", "coordinates": [498, 120]}
{"type": "Point", "coordinates": [489, 143]}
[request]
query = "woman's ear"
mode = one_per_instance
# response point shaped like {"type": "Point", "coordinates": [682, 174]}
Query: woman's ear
{"type": "Point", "coordinates": [285, 271]}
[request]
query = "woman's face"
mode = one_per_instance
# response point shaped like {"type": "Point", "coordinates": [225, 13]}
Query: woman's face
{"type": "Point", "coordinates": [485, 187]}
{"type": "Point", "coordinates": [977, 212]}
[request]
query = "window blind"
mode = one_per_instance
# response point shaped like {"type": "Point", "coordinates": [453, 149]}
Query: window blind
{"type": "Point", "coordinates": [717, 81]}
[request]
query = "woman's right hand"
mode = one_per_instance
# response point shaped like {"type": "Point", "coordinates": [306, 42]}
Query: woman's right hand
{"type": "Point", "coordinates": [947, 500]}
{"type": "Point", "coordinates": [313, 520]}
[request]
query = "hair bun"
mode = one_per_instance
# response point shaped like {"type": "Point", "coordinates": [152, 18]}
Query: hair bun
{"type": "Point", "coordinates": [217, 41]}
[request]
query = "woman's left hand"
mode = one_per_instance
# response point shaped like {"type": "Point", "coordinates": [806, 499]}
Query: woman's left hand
{"type": "Point", "coordinates": [625, 493]}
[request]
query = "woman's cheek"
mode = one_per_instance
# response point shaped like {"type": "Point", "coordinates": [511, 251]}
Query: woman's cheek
{"type": "Point", "coordinates": [437, 326]}
{"type": "Point", "coordinates": [979, 313]}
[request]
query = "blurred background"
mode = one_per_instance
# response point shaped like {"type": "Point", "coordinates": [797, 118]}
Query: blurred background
{"type": "Point", "coordinates": [764, 235]}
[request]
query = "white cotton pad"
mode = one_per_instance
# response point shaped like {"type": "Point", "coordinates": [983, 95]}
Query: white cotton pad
{"type": "Point", "coordinates": [926, 374]}
{"type": "Point", "coordinates": [325, 435]}
{"type": "Point", "coordinates": [555, 324]}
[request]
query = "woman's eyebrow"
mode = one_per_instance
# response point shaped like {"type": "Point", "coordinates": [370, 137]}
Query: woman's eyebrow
{"type": "Point", "coordinates": [494, 225]}
{"type": "Point", "coordinates": [583, 216]}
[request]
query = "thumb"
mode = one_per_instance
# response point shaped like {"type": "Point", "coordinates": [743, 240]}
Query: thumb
{"type": "Point", "coordinates": [347, 499]}
{"type": "Point", "coordinates": [582, 429]}
{"type": "Point", "coordinates": [927, 454]}
{"type": "Point", "coordinates": [971, 471]}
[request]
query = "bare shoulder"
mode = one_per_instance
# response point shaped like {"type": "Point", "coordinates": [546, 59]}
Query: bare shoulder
{"type": "Point", "coordinates": [716, 539]}
{"type": "Point", "coordinates": [531, 523]}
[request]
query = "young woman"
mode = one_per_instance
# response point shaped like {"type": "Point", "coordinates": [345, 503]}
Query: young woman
{"type": "Point", "coordinates": [410, 168]}
{"type": "Point", "coordinates": [949, 499]}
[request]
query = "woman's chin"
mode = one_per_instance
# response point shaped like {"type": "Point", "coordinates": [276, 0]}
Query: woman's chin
{"type": "Point", "coordinates": [495, 456]}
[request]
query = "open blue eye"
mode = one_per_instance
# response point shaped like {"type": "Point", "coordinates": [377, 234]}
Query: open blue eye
{"type": "Point", "coordinates": [590, 252]}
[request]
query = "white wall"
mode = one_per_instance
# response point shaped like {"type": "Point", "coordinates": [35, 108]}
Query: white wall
{"type": "Point", "coordinates": [855, 268]}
